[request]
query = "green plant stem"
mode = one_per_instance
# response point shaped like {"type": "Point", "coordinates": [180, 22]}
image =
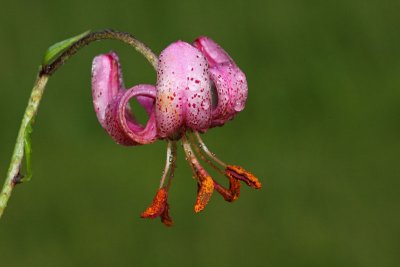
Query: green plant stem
{"type": "Point", "coordinates": [96, 36]}
{"type": "Point", "coordinates": [13, 175]}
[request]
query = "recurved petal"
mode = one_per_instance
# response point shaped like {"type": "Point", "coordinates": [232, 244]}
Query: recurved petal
{"type": "Point", "coordinates": [230, 82]}
{"type": "Point", "coordinates": [231, 87]}
{"type": "Point", "coordinates": [121, 124]}
{"type": "Point", "coordinates": [106, 82]}
{"type": "Point", "coordinates": [212, 51]}
{"type": "Point", "coordinates": [147, 103]}
{"type": "Point", "coordinates": [183, 90]}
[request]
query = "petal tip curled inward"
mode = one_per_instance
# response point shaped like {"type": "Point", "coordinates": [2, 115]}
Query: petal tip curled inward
{"type": "Point", "coordinates": [212, 51]}
{"type": "Point", "coordinates": [106, 82]}
{"type": "Point", "coordinates": [111, 103]}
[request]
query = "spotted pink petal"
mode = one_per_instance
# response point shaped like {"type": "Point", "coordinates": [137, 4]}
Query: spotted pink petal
{"type": "Point", "coordinates": [230, 82]}
{"type": "Point", "coordinates": [183, 91]}
{"type": "Point", "coordinates": [106, 82]}
{"type": "Point", "coordinates": [111, 103]}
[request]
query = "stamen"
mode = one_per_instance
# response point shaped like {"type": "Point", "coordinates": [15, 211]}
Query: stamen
{"type": "Point", "coordinates": [170, 164]}
{"type": "Point", "coordinates": [206, 188]}
{"type": "Point", "coordinates": [205, 182]}
{"type": "Point", "coordinates": [207, 151]}
{"type": "Point", "coordinates": [231, 171]}
{"type": "Point", "coordinates": [201, 154]}
{"type": "Point", "coordinates": [238, 173]}
{"type": "Point", "coordinates": [231, 194]}
{"type": "Point", "coordinates": [158, 205]}
{"type": "Point", "coordinates": [165, 218]}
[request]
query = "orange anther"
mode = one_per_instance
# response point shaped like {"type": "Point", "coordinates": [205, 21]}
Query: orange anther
{"type": "Point", "coordinates": [158, 205]}
{"type": "Point", "coordinates": [206, 188]}
{"type": "Point", "coordinates": [238, 173]}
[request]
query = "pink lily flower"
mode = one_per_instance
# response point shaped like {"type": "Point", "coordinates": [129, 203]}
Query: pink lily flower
{"type": "Point", "coordinates": [198, 87]}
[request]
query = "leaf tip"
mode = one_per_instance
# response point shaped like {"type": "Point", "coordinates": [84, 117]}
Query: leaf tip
{"type": "Point", "coordinates": [59, 47]}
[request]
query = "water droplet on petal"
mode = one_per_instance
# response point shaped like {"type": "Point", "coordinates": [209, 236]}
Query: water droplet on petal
{"type": "Point", "coordinates": [239, 105]}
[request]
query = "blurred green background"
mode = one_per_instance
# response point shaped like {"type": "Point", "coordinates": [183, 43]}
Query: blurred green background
{"type": "Point", "coordinates": [321, 131]}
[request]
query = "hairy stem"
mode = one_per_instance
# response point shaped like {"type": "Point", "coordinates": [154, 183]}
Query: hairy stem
{"type": "Point", "coordinates": [13, 174]}
{"type": "Point", "coordinates": [96, 36]}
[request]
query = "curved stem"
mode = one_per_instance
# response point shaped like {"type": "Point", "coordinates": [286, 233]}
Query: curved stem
{"type": "Point", "coordinates": [96, 36]}
{"type": "Point", "coordinates": [13, 174]}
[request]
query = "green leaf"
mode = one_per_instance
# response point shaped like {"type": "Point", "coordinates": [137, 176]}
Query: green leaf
{"type": "Point", "coordinates": [28, 152]}
{"type": "Point", "coordinates": [59, 47]}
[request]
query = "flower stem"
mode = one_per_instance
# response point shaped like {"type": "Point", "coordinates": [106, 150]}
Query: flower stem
{"type": "Point", "coordinates": [13, 175]}
{"type": "Point", "coordinates": [96, 36]}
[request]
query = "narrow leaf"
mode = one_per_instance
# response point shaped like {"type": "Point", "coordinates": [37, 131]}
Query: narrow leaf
{"type": "Point", "coordinates": [59, 47]}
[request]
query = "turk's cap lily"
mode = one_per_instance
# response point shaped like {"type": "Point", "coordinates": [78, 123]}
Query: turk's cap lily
{"type": "Point", "coordinates": [188, 76]}
{"type": "Point", "coordinates": [180, 106]}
